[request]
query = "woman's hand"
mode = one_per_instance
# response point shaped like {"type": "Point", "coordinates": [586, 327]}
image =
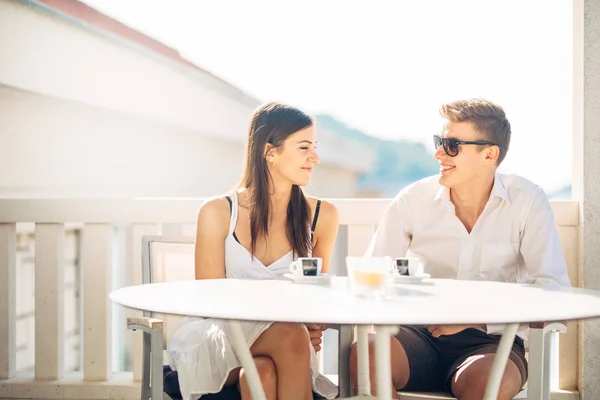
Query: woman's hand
{"type": "Point", "coordinates": [315, 332]}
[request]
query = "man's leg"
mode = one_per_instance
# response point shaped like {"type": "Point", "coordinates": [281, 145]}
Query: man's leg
{"type": "Point", "coordinates": [470, 380]}
{"type": "Point", "coordinates": [469, 356]}
{"type": "Point", "coordinates": [414, 358]}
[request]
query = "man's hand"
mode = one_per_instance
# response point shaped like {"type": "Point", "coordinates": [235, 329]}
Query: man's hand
{"type": "Point", "coordinates": [446, 330]}
{"type": "Point", "coordinates": [316, 334]}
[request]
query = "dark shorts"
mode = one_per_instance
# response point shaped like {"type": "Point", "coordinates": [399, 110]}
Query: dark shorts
{"type": "Point", "coordinates": [434, 361]}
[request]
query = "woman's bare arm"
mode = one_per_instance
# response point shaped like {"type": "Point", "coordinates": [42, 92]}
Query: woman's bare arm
{"type": "Point", "coordinates": [211, 231]}
{"type": "Point", "coordinates": [323, 242]}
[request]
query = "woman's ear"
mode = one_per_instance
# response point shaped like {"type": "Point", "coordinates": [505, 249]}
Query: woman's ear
{"type": "Point", "coordinates": [269, 152]}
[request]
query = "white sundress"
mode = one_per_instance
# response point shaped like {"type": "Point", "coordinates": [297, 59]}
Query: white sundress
{"type": "Point", "coordinates": [200, 351]}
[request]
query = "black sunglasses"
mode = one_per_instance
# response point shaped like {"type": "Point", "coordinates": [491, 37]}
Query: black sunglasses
{"type": "Point", "coordinates": [451, 145]}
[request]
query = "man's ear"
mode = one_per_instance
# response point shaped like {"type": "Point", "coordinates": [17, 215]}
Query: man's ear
{"type": "Point", "coordinates": [491, 154]}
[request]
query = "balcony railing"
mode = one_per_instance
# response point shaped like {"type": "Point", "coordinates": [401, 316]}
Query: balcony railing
{"type": "Point", "coordinates": [60, 337]}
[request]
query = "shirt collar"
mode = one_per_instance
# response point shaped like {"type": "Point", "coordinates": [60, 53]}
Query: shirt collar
{"type": "Point", "coordinates": [443, 193]}
{"type": "Point", "coordinates": [498, 190]}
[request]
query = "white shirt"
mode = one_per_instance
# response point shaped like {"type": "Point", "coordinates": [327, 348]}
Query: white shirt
{"type": "Point", "coordinates": [514, 240]}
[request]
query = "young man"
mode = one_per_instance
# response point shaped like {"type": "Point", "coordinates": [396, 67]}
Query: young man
{"type": "Point", "coordinates": [472, 223]}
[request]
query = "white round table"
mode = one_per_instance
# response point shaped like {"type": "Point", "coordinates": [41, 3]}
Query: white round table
{"type": "Point", "coordinates": [433, 302]}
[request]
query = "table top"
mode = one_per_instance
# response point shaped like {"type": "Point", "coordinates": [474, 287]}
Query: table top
{"type": "Point", "coordinates": [433, 302]}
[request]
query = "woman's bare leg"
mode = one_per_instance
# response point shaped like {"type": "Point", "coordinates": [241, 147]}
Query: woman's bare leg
{"type": "Point", "coordinates": [288, 346]}
{"type": "Point", "coordinates": [268, 378]}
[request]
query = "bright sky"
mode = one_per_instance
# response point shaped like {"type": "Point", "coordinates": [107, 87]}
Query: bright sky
{"type": "Point", "coordinates": [386, 66]}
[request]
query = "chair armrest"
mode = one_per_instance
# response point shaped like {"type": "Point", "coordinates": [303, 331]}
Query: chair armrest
{"type": "Point", "coordinates": [152, 355]}
{"type": "Point", "coordinates": [558, 326]}
{"type": "Point", "coordinates": [144, 323]}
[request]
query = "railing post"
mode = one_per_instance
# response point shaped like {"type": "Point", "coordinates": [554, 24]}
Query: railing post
{"type": "Point", "coordinates": [49, 304]}
{"type": "Point", "coordinates": [97, 284]}
{"type": "Point", "coordinates": [8, 295]}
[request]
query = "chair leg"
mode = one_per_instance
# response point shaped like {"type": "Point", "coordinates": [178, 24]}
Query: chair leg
{"type": "Point", "coordinates": [546, 373]}
{"type": "Point", "coordinates": [383, 360]}
{"type": "Point", "coordinates": [537, 355]}
{"type": "Point", "coordinates": [364, 379]}
{"type": "Point", "coordinates": [156, 343]}
{"type": "Point", "coordinates": [146, 366]}
{"type": "Point", "coordinates": [344, 345]}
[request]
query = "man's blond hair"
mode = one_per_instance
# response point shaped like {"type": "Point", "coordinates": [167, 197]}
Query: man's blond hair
{"type": "Point", "coordinates": [488, 119]}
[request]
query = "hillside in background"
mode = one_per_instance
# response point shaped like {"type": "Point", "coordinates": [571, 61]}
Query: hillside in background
{"type": "Point", "coordinates": [397, 163]}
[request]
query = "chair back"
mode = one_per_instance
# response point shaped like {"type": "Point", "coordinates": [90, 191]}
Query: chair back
{"type": "Point", "coordinates": [167, 259]}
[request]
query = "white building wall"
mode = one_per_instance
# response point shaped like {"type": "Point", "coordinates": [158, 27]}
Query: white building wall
{"type": "Point", "coordinates": [59, 147]}
{"type": "Point", "coordinates": [46, 54]}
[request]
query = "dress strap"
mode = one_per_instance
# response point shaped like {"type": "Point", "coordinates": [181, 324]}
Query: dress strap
{"type": "Point", "coordinates": [233, 211]}
{"type": "Point", "coordinates": [316, 217]}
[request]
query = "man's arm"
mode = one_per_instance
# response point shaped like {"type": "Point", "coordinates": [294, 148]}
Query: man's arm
{"type": "Point", "coordinates": [540, 246]}
{"type": "Point", "coordinates": [541, 249]}
{"type": "Point", "coordinates": [394, 232]}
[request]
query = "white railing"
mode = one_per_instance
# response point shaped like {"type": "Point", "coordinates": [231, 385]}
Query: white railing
{"type": "Point", "coordinates": [110, 234]}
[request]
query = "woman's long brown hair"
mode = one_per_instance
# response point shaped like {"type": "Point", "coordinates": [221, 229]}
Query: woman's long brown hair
{"type": "Point", "coordinates": [273, 123]}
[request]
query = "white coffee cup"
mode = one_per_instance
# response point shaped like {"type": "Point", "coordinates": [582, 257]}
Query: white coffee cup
{"type": "Point", "coordinates": [306, 266]}
{"type": "Point", "coordinates": [408, 266]}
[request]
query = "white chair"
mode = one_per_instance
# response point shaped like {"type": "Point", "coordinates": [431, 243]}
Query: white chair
{"type": "Point", "coordinates": [169, 258]}
{"type": "Point", "coordinates": [164, 259]}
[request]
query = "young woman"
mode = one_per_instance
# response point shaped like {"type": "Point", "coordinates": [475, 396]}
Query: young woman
{"type": "Point", "coordinates": [255, 233]}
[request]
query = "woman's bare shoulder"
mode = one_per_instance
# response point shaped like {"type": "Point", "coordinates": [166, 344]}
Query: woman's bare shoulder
{"type": "Point", "coordinates": [214, 213]}
{"type": "Point", "coordinates": [327, 210]}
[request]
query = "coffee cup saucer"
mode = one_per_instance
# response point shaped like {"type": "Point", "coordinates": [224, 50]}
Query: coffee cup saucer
{"type": "Point", "coordinates": [409, 279]}
{"type": "Point", "coordinates": [313, 280]}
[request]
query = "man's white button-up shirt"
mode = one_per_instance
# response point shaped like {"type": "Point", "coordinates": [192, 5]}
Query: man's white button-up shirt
{"type": "Point", "coordinates": [514, 240]}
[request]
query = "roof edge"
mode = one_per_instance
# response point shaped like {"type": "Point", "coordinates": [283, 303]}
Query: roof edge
{"type": "Point", "coordinates": [158, 51]}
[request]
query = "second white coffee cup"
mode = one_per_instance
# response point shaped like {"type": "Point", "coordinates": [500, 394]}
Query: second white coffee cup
{"type": "Point", "coordinates": [408, 266]}
{"type": "Point", "coordinates": [306, 266]}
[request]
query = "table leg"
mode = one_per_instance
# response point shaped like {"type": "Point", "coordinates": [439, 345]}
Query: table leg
{"type": "Point", "coordinates": [383, 360]}
{"type": "Point", "coordinates": [362, 343]}
{"type": "Point", "coordinates": [238, 342]}
{"type": "Point", "coordinates": [499, 364]}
